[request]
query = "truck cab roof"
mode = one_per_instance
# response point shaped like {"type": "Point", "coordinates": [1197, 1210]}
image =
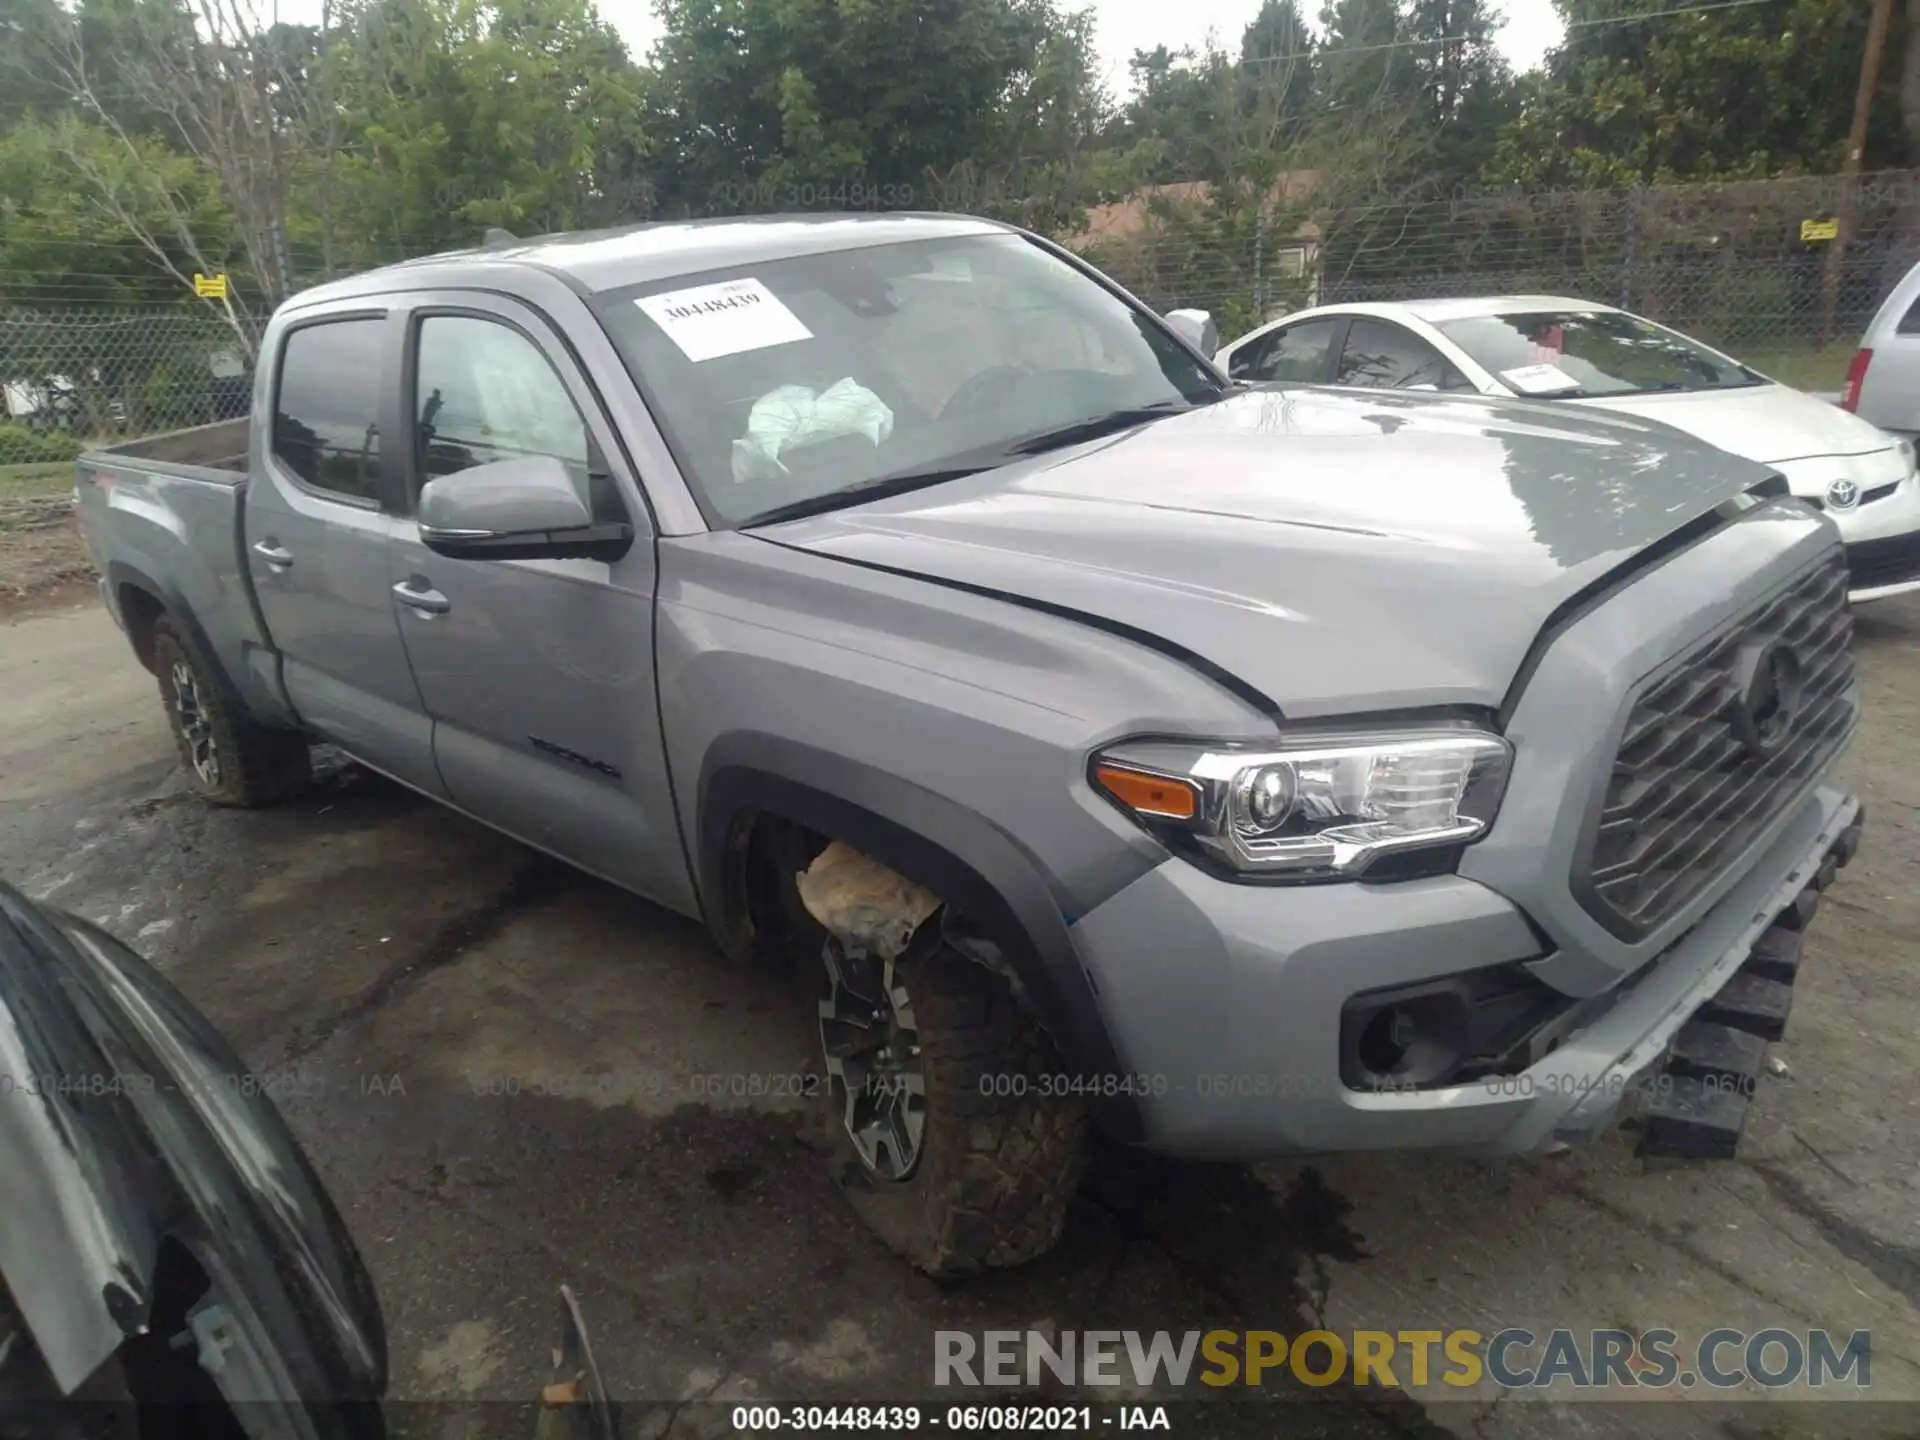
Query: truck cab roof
{"type": "Point", "coordinates": [594, 260]}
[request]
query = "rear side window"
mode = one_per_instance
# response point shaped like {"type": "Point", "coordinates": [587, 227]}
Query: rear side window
{"type": "Point", "coordinates": [327, 409]}
{"type": "Point", "coordinates": [1909, 322]}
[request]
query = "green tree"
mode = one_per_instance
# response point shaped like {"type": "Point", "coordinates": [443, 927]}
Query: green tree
{"type": "Point", "coordinates": [1729, 93]}
{"type": "Point", "coordinates": [1465, 88]}
{"type": "Point", "coordinates": [109, 239]}
{"type": "Point", "coordinates": [455, 116]}
{"type": "Point", "coordinates": [831, 92]}
{"type": "Point", "coordinates": [1277, 61]}
{"type": "Point", "coordinates": [1365, 61]}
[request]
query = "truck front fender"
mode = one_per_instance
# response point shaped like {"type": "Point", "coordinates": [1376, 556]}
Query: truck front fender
{"type": "Point", "coordinates": [967, 861]}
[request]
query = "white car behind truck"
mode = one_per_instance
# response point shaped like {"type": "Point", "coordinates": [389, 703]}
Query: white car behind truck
{"type": "Point", "coordinates": [1550, 347]}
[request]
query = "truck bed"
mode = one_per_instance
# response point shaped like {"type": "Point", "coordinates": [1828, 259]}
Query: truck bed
{"type": "Point", "coordinates": [216, 452]}
{"type": "Point", "coordinates": [164, 517]}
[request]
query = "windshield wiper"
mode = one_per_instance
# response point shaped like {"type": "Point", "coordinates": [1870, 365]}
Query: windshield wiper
{"type": "Point", "coordinates": [859, 493]}
{"type": "Point", "coordinates": [1096, 426]}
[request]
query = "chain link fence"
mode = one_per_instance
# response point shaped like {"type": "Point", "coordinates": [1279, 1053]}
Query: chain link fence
{"type": "Point", "coordinates": [1750, 267]}
{"type": "Point", "coordinates": [1745, 266]}
{"type": "Point", "coordinates": [75, 378]}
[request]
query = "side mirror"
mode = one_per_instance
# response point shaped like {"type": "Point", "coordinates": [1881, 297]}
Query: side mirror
{"type": "Point", "coordinates": [525, 509]}
{"type": "Point", "coordinates": [1196, 327]}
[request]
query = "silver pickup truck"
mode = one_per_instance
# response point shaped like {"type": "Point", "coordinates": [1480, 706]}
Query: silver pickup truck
{"type": "Point", "coordinates": [1243, 771]}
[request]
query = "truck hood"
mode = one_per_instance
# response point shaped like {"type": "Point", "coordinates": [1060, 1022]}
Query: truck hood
{"type": "Point", "coordinates": [1769, 423]}
{"type": "Point", "coordinates": [1336, 552]}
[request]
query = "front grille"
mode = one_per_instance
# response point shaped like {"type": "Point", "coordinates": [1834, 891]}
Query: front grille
{"type": "Point", "coordinates": [1884, 562]}
{"type": "Point", "coordinates": [1687, 795]}
{"type": "Point", "coordinates": [1867, 497]}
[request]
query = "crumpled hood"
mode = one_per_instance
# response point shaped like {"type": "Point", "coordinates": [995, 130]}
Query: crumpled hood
{"type": "Point", "coordinates": [1769, 423]}
{"type": "Point", "coordinates": [1339, 553]}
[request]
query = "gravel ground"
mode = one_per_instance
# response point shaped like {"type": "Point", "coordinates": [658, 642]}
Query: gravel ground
{"type": "Point", "coordinates": [43, 560]}
{"type": "Point", "coordinates": [404, 977]}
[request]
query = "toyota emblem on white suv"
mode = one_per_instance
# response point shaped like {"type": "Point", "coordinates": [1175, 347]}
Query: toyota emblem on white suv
{"type": "Point", "coordinates": [1842, 495]}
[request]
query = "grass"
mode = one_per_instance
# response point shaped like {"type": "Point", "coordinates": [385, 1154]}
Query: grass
{"type": "Point", "coordinates": [1805, 368]}
{"type": "Point", "coordinates": [23, 482]}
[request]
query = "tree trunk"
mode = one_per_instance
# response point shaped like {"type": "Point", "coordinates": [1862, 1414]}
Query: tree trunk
{"type": "Point", "coordinates": [1910, 83]}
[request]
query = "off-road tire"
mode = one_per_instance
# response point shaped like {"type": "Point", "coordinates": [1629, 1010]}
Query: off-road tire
{"type": "Point", "coordinates": [257, 765]}
{"type": "Point", "coordinates": [997, 1170]}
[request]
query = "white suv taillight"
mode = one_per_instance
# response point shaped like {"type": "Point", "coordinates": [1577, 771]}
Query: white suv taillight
{"type": "Point", "coordinates": [1856, 374]}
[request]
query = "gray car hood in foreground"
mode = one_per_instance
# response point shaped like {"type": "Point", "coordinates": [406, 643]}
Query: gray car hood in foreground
{"type": "Point", "coordinates": [1338, 552]}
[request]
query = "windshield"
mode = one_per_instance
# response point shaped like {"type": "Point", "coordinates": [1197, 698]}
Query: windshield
{"type": "Point", "coordinates": [1569, 353]}
{"type": "Point", "coordinates": [824, 379]}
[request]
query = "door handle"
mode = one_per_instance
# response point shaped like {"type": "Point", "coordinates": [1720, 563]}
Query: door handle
{"type": "Point", "coordinates": [273, 554]}
{"type": "Point", "coordinates": [427, 602]}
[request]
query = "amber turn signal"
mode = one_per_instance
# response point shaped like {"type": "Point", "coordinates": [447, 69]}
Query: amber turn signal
{"type": "Point", "coordinates": [1148, 794]}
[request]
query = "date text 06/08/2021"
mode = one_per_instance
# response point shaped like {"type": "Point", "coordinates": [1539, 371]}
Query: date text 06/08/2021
{"type": "Point", "coordinates": [963, 1419]}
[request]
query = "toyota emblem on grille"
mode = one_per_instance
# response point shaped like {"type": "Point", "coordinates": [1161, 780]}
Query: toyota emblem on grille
{"type": "Point", "coordinates": [1767, 697]}
{"type": "Point", "coordinates": [1842, 495]}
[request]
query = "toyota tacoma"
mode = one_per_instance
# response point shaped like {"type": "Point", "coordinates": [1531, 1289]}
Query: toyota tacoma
{"type": "Point", "coordinates": [1241, 771]}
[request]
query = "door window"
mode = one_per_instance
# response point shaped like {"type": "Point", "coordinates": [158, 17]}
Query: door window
{"type": "Point", "coordinates": [485, 392]}
{"type": "Point", "coordinates": [327, 407]}
{"type": "Point", "coordinates": [1298, 353]}
{"type": "Point", "coordinates": [1380, 356]}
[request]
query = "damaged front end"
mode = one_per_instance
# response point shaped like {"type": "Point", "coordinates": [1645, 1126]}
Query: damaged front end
{"type": "Point", "coordinates": [1696, 1100]}
{"type": "Point", "coordinates": [869, 1034]}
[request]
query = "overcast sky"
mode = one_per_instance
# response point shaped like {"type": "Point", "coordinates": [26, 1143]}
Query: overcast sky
{"type": "Point", "coordinates": [1129, 25]}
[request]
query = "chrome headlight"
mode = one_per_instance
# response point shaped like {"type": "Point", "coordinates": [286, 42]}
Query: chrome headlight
{"type": "Point", "coordinates": [1319, 808]}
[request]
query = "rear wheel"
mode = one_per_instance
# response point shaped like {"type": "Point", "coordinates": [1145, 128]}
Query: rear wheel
{"type": "Point", "coordinates": [948, 1147]}
{"type": "Point", "coordinates": [229, 758]}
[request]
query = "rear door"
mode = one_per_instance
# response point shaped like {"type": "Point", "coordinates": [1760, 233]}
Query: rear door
{"type": "Point", "coordinates": [320, 520]}
{"type": "Point", "coordinates": [538, 674]}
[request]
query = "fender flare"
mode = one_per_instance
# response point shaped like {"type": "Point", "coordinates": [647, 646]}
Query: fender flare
{"type": "Point", "coordinates": [936, 843]}
{"type": "Point", "coordinates": [173, 604]}
{"type": "Point", "coordinates": [122, 575]}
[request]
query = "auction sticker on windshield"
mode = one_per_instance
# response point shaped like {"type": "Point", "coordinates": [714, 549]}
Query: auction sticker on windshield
{"type": "Point", "coordinates": [709, 321]}
{"type": "Point", "coordinates": [1539, 379]}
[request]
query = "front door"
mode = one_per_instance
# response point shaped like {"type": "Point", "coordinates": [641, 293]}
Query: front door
{"type": "Point", "coordinates": [538, 674]}
{"type": "Point", "coordinates": [319, 536]}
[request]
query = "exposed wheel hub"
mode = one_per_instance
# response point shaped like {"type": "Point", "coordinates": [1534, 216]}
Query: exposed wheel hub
{"type": "Point", "coordinates": [196, 727]}
{"type": "Point", "coordinates": [872, 1048]}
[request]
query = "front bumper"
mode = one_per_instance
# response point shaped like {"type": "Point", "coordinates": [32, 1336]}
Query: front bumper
{"type": "Point", "coordinates": [1225, 1001]}
{"type": "Point", "coordinates": [1884, 567]}
{"type": "Point", "coordinates": [1882, 534]}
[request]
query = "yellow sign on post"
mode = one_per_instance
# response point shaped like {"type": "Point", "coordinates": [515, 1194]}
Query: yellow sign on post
{"type": "Point", "coordinates": [210, 287]}
{"type": "Point", "coordinates": [1819, 229]}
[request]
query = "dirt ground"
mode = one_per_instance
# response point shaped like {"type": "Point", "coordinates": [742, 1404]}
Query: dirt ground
{"type": "Point", "coordinates": [406, 980]}
{"type": "Point", "coordinates": [43, 560]}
